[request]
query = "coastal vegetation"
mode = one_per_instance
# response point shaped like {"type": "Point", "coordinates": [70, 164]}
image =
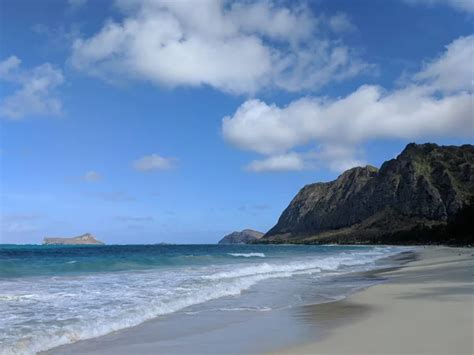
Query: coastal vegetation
{"type": "Point", "coordinates": [423, 196]}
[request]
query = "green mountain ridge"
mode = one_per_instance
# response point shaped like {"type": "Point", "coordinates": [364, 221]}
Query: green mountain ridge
{"type": "Point", "coordinates": [420, 191]}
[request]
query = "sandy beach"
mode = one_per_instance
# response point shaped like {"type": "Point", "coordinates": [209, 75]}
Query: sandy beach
{"type": "Point", "coordinates": [422, 307]}
{"type": "Point", "coordinates": [426, 307]}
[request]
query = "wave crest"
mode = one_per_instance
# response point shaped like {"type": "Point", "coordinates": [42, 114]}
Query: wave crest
{"type": "Point", "coordinates": [247, 255]}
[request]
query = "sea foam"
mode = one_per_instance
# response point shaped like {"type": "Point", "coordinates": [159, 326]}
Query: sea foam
{"type": "Point", "coordinates": [247, 255]}
{"type": "Point", "coordinates": [39, 313]}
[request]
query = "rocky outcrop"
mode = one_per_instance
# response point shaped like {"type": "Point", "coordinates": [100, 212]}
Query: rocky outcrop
{"type": "Point", "coordinates": [424, 186]}
{"type": "Point", "coordinates": [244, 237]}
{"type": "Point", "coordinates": [85, 239]}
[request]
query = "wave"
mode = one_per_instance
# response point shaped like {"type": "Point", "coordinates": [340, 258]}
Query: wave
{"type": "Point", "coordinates": [148, 296]}
{"type": "Point", "coordinates": [329, 263]}
{"type": "Point", "coordinates": [247, 255]}
{"type": "Point", "coordinates": [45, 339]}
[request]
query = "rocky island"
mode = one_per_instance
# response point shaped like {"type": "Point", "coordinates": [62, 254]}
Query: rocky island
{"type": "Point", "coordinates": [85, 239]}
{"type": "Point", "coordinates": [424, 196]}
{"type": "Point", "coordinates": [243, 237]}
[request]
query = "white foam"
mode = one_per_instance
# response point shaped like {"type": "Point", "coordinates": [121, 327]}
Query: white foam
{"type": "Point", "coordinates": [99, 320]}
{"type": "Point", "coordinates": [47, 312]}
{"type": "Point", "coordinates": [252, 309]}
{"type": "Point", "coordinates": [307, 265]}
{"type": "Point", "coordinates": [248, 255]}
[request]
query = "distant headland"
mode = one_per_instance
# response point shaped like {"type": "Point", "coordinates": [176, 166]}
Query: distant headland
{"type": "Point", "coordinates": [244, 237]}
{"type": "Point", "coordinates": [424, 196]}
{"type": "Point", "coordinates": [84, 239]}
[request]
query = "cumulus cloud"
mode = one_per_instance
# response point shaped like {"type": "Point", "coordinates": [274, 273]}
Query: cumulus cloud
{"type": "Point", "coordinates": [341, 23]}
{"type": "Point", "coordinates": [461, 5]}
{"type": "Point", "coordinates": [8, 67]}
{"type": "Point", "coordinates": [453, 70]}
{"type": "Point", "coordinates": [36, 94]}
{"type": "Point", "coordinates": [267, 19]}
{"type": "Point", "coordinates": [240, 47]}
{"type": "Point", "coordinates": [436, 103]}
{"type": "Point", "coordinates": [153, 162]}
{"type": "Point", "coordinates": [92, 176]}
{"type": "Point", "coordinates": [283, 162]}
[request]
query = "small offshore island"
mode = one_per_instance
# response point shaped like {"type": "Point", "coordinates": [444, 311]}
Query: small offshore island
{"type": "Point", "coordinates": [84, 239]}
{"type": "Point", "coordinates": [246, 236]}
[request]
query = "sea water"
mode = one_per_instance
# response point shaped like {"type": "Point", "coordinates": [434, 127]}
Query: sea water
{"type": "Point", "coordinates": [55, 295]}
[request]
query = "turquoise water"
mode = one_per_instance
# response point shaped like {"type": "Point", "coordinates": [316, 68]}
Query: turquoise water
{"type": "Point", "coordinates": [36, 260]}
{"type": "Point", "coordinates": [54, 295]}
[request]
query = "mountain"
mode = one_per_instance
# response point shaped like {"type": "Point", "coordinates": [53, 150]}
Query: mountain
{"type": "Point", "coordinates": [244, 237]}
{"type": "Point", "coordinates": [424, 189]}
{"type": "Point", "coordinates": [85, 239]}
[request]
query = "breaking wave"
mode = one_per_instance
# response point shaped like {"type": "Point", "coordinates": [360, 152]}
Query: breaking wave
{"type": "Point", "coordinates": [43, 312]}
{"type": "Point", "coordinates": [247, 255]}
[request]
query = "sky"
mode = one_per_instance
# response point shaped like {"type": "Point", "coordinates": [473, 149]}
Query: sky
{"type": "Point", "coordinates": [146, 121]}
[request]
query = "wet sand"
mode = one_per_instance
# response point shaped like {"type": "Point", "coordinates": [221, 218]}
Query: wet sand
{"type": "Point", "coordinates": [427, 307]}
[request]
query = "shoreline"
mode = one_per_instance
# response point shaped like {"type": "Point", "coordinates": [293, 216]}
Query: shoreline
{"type": "Point", "coordinates": [424, 307]}
{"type": "Point", "coordinates": [359, 319]}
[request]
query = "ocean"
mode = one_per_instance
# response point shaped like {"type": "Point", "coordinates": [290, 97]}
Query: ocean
{"type": "Point", "coordinates": [56, 295]}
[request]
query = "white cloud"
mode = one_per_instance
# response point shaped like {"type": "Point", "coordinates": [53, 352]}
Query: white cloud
{"type": "Point", "coordinates": [92, 176]}
{"type": "Point", "coordinates": [341, 23]}
{"type": "Point", "coordinates": [267, 19]}
{"type": "Point", "coordinates": [8, 67]}
{"type": "Point", "coordinates": [153, 162]}
{"type": "Point", "coordinates": [239, 48]}
{"type": "Point", "coordinates": [437, 103]}
{"type": "Point", "coordinates": [454, 69]}
{"type": "Point", "coordinates": [336, 156]}
{"type": "Point", "coordinates": [36, 94]}
{"type": "Point", "coordinates": [461, 5]}
{"type": "Point", "coordinates": [284, 162]}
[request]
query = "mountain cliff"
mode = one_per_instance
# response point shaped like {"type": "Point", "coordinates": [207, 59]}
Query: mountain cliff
{"type": "Point", "coordinates": [244, 237]}
{"type": "Point", "coordinates": [426, 186]}
{"type": "Point", "coordinates": [85, 239]}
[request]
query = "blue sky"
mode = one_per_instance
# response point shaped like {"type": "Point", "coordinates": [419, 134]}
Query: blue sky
{"type": "Point", "coordinates": [178, 121]}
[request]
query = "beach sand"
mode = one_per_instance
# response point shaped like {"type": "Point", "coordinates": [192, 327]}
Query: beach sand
{"type": "Point", "coordinates": [425, 307]}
